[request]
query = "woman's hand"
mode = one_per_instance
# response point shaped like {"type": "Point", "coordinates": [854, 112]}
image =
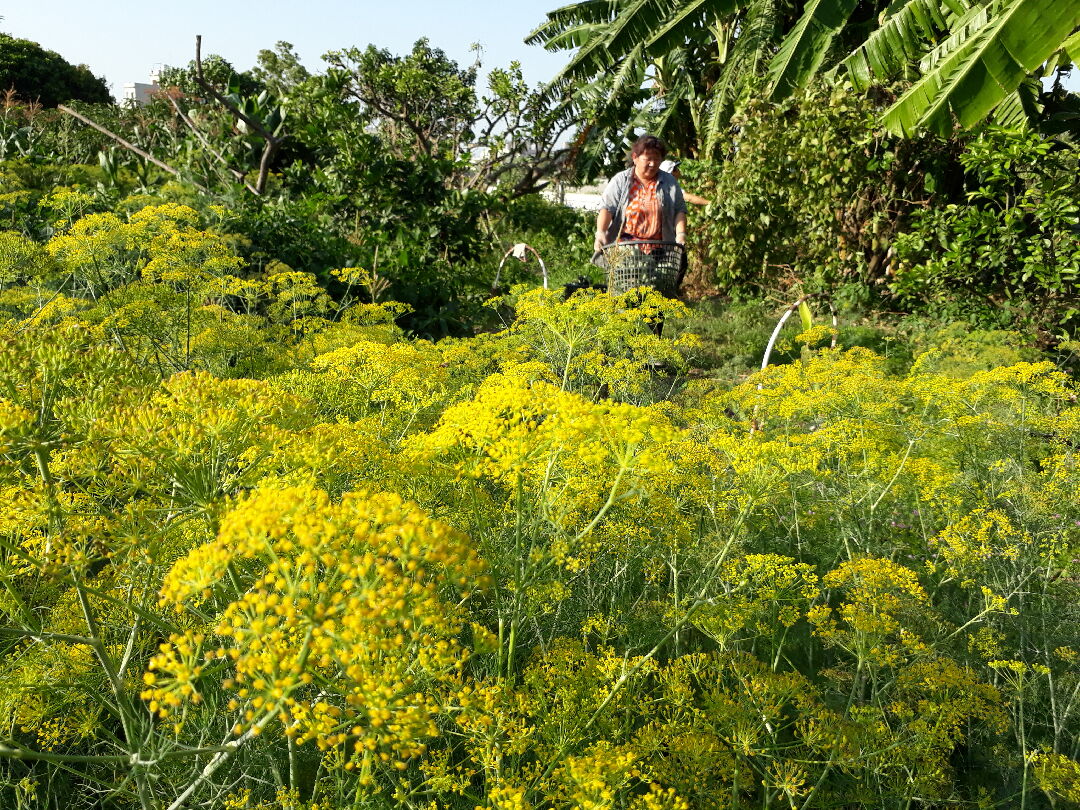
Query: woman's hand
{"type": "Point", "coordinates": [599, 241]}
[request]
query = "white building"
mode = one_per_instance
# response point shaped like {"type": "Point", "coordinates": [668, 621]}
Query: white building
{"type": "Point", "coordinates": [137, 93]}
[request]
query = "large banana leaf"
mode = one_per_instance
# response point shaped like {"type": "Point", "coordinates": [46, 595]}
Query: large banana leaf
{"type": "Point", "coordinates": [1072, 47]}
{"type": "Point", "coordinates": [583, 13]}
{"type": "Point", "coordinates": [960, 33]}
{"type": "Point", "coordinates": [574, 36]}
{"type": "Point", "coordinates": [688, 20]}
{"type": "Point", "coordinates": [629, 75]}
{"type": "Point", "coordinates": [745, 62]}
{"type": "Point", "coordinates": [758, 34]}
{"type": "Point", "coordinates": [901, 39]}
{"type": "Point", "coordinates": [971, 81]}
{"type": "Point", "coordinates": [619, 44]}
{"type": "Point", "coordinates": [606, 32]}
{"type": "Point", "coordinates": [1021, 107]}
{"type": "Point", "coordinates": [806, 45]}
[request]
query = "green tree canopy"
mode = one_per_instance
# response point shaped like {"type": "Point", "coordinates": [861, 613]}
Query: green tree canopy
{"type": "Point", "coordinates": [217, 70]}
{"type": "Point", "coordinates": [422, 101]}
{"type": "Point", "coordinates": [36, 74]}
{"type": "Point", "coordinates": [279, 70]}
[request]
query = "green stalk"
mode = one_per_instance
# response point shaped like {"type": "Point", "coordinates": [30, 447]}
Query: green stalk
{"type": "Point", "coordinates": [293, 779]}
{"type": "Point", "coordinates": [512, 642]}
{"type": "Point", "coordinates": [675, 593]}
{"type": "Point", "coordinates": [520, 584]}
{"type": "Point", "coordinates": [566, 367]}
{"type": "Point", "coordinates": [1023, 742]}
{"type": "Point", "coordinates": [229, 748]}
{"type": "Point", "coordinates": [187, 341]}
{"type": "Point", "coordinates": [610, 502]}
{"type": "Point", "coordinates": [129, 719]}
{"type": "Point", "coordinates": [41, 458]}
{"type": "Point", "coordinates": [502, 648]}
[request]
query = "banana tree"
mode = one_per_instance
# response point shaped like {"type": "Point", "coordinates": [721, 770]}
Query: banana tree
{"type": "Point", "coordinates": [964, 59]}
{"type": "Point", "coordinates": [649, 63]}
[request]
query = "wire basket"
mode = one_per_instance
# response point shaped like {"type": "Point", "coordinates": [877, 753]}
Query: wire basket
{"type": "Point", "coordinates": [644, 263]}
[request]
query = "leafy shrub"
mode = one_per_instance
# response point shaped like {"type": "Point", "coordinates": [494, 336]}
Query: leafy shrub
{"type": "Point", "coordinates": [810, 195]}
{"type": "Point", "coordinates": [1008, 255]}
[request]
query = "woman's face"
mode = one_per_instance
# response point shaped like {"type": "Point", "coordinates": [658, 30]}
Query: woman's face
{"type": "Point", "coordinates": [647, 164]}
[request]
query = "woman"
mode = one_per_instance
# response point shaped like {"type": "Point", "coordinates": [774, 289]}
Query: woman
{"type": "Point", "coordinates": [642, 202]}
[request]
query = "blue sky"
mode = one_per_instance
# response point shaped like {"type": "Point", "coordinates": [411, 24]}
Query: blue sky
{"type": "Point", "coordinates": [123, 40]}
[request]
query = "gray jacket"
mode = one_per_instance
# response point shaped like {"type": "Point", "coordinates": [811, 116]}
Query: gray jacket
{"type": "Point", "coordinates": [616, 196]}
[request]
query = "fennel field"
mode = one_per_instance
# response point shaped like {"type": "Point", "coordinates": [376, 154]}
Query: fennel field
{"type": "Point", "coordinates": [260, 549]}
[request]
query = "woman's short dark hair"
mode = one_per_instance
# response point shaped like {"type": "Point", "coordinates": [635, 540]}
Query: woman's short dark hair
{"type": "Point", "coordinates": [647, 142]}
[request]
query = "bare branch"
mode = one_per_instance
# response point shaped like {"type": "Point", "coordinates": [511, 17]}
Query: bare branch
{"type": "Point", "coordinates": [126, 144]}
{"type": "Point", "coordinates": [422, 136]}
{"type": "Point", "coordinates": [269, 151]}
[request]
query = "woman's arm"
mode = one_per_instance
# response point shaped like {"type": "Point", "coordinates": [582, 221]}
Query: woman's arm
{"type": "Point", "coordinates": [603, 222]}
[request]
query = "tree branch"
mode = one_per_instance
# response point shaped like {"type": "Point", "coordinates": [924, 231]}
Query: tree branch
{"type": "Point", "coordinates": [126, 144]}
{"type": "Point", "coordinates": [213, 91]}
{"type": "Point", "coordinates": [239, 175]}
{"type": "Point", "coordinates": [273, 143]}
{"type": "Point", "coordinates": [422, 136]}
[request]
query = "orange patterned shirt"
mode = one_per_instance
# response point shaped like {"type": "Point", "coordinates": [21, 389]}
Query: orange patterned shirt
{"type": "Point", "coordinates": [643, 211]}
